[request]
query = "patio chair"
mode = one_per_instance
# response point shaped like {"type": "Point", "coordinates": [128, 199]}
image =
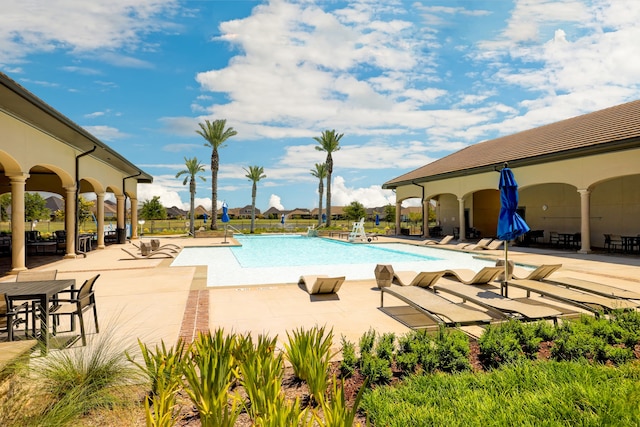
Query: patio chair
{"type": "Point", "coordinates": [470, 277]}
{"type": "Point", "coordinates": [36, 275]}
{"type": "Point", "coordinates": [423, 279]}
{"type": "Point", "coordinates": [10, 316]}
{"type": "Point", "coordinates": [321, 284]}
{"type": "Point", "coordinates": [446, 239]}
{"type": "Point", "coordinates": [79, 301]}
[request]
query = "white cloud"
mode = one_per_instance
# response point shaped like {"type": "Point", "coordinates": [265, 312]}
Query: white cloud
{"type": "Point", "coordinates": [107, 133]}
{"type": "Point", "coordinates": [275, 202]}
{"type": "Point", "coordinates": [370, 197]}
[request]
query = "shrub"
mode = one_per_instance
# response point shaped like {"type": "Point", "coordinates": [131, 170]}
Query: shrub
{"type": "Point", "coordinates": [375, 370]}
{"type": "Point", "coordinates": [366, 341]}
{"type": "Point", "coordinates": [349, 360]}
{"type": "Point", "coordinates": [498, 346]}
{"type": "Point", "coordinates": [452, 350]}
{"type": "Point", "coordinates": [385, 346]}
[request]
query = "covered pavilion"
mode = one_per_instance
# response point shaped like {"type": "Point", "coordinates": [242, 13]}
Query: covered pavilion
{"type": "Point", "coordinates": [580, 175]}
{"type": "Point", "coordinates": [41, 150]}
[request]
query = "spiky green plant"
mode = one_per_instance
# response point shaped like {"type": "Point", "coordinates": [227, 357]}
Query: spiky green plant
{"type": "Point", "coordinates": [309, 353]}
{"type": "Point", "coordinates": [209, 370]}
{"type": "Point", "coordinates": [162, 364]}
{"type": "Point", "coordinates": [336, 412]}
{"type": "Point", "coordinates": [285, 413]}
{"type": "Point", "coordinates": [261, 374]}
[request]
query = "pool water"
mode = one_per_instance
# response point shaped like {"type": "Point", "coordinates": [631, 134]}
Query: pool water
{"type": "Point", "coordinates": [264, 260]}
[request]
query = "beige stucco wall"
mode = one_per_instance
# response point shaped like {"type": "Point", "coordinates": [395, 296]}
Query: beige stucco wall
{"type": "Point", "coordinates": [612, 178]}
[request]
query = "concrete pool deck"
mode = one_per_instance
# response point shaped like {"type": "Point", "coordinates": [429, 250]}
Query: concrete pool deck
{"type": "Point", "coordinates": [151, 301]}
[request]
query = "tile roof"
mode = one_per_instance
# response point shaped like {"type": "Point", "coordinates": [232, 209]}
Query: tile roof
{"type": "Point", "coordinates": [589, 132]}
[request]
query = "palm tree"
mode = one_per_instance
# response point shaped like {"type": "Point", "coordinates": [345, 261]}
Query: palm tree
{"type": "Point", "coordinates": [216, 135]}
{"type": "Point", "coordinates": [255, 174]}
{"type": "Point", "coordinates": [320, 172]}
{"type": "Point", "coordinates": [329, 142]}
{"type": "Point", "coordinates": [193, 168]}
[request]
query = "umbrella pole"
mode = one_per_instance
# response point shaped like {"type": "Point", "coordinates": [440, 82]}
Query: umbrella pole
{"type": "Point", "coordinates": [506, 268]}
{"type": "Point", "coordinates": [225, 233]}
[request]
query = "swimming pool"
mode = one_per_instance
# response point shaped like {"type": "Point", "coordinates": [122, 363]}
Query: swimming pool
{"type": "Point", "coordinates": [263, 260]}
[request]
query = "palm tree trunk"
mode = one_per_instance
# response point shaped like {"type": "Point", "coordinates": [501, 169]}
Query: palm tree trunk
{"type": "Point", "coordinates": [253, 206]}
{"type": "Point", "coordinates": [329, 199]}
{"type": "Point", "coordinates": [321, 192]}
{"type": "Point", "coordinates": [215, 163]}
{"type": "Point", "coordinates": [192, 207]}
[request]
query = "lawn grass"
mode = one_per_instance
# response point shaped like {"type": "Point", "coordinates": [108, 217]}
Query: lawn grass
{"type": "Point", "coordinates": [524, 394]}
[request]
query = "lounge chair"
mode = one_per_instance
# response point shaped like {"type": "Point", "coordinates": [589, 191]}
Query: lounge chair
{"type": "Point", "coordinates": [489, 299]}
{"type": "Point", "coordinates": [470, 277]}
{"type": "Point", "coordinates": [155, 245]}
{"type": "Point", "coordinates": [493, 246]}
{"type": "Point", "coordinates": [440, 309]}
{"type": "Point", "coordinates": [594, 287]}
{"type": "Point", "coordinates": [481, 244]}
{"type": "Point", "coordinates": [157, 254]}
{"type": "Point", "coordinates": [146, 249]}
{"type": "Point", "coordinates": [446, 239]}
{"type": "Point", "coordinates": [541, 272]}
{"type": "Point", "coordinates": [410, 278]}
{"type": "Point", "coordinates": [585, 300]}
{"type": "Point", "coordinates": [321, 284]}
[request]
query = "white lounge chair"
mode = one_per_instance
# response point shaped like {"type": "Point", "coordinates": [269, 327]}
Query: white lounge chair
{"type": "Point", "coordinates": [321, 284]}
{"type": "Point", "coordinates": [423, 279]}
{"type": "Point", "coordinates": [446, 239]}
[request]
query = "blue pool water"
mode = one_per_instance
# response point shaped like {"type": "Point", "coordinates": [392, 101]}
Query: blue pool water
{"type": "Point", "coordinates": [278, 259]}
{"type": "Point", "coordinates": [296, 250]}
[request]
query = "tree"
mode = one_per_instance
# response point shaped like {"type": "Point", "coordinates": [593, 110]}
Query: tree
{"type": "Point", "coordinates": [329, 143]}
{"type": "Point", "coordinates": [390, 213]}
{"type": "Point", "coordinates": [5, 203]}
{"type": "Point", "coordinates": [84, 209]}
{"type": "Point", "coordinates": [355, 211]}
{"type": "Point", "coordinates": [216, 135]}
{"type": "Point", "coordinates": [193, 168]}
{"type": "Point", "coordinates": [152, 210]}
{"type": "Point", "coordinates": [255, 174]}
{"type": "Point", "coordinates": [320, 172]}
{"type": "Point", "coordinates": [35, 207]}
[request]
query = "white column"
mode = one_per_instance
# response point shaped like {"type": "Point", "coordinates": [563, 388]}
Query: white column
{"type": "Point", "coordinates": [463, 225]}
{"type": "Point", "coordinates": [100, 218]}
{"type": "Point", "coordinates": [69, 220]}
{"type": "Point", "coordinates": [18, 249]}
{"type": "Point", "coordinates": [585, 225]}
{"type": "Point", "coordinates": [134, 218]}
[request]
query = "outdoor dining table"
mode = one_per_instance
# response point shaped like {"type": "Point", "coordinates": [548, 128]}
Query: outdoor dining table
{"type": "Point", "coordinates": [566, 239]}
{"type": "Point", "coordinates": [41, 292]}
{"type": "Point", "coordinates": [629, 242]}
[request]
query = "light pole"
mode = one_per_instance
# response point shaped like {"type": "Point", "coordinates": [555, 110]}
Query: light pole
{"type": "Point", "coordinates": [141, 223]}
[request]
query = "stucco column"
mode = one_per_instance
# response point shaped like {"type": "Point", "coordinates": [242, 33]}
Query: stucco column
{"type": "Point", "coordinates": [463, 225]}
{"type": "Point", "coordinates": [134, 218]}
{"type": "Point", "coordinates": [100, 219]}
{"type": "Point", "coordinates": [585, 225]}
{"type": "Point", "coordinates": [69, 220]}
{"type": "Point", "coordinates": [18, 248]}
{"type": "Point", "coordinates": [398, 214]}
{"type": "Point", "coordinates": [425, 218]}
{"type": "Point", "coordinates": [121, 219]}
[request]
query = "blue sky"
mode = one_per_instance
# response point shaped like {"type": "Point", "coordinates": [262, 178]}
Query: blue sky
{"type": "Point", "coordinates": [407, 82]}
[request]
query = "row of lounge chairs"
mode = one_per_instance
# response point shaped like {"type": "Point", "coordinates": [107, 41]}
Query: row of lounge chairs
{"type": "Point", "coordinates": [464, 297]}
{"type": "Point", "coordinates": [486, 243]}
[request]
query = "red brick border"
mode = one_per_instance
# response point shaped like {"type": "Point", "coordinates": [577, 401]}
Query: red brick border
{"type": "Point", "coordinates": [196, 315]}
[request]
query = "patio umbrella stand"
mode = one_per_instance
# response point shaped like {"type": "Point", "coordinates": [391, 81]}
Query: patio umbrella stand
{"type": "Point", "coordinates": [510, 224]}
{"type": "Point", "coordinates": [225, 219]}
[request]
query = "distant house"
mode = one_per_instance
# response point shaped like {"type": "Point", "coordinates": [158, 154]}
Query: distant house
{"type": "Point", "coordinates": [175, 212]}
{"type": "Point", "coordinates": [199, 212]}
{"type": "Point", "coordinates": [245, 212]}
{"type": "Point", "coordinates": [273, 213]}
{"type": "Point", "coordinates": [299, 213]}
{"type": "Point", "coordinates": [54, 204]}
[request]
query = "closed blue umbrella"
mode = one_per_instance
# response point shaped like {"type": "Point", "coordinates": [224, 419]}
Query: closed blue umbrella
{"type": "Point", "coordinates": [510, 224]}
{"type": "Point", "coordinates": [225, 219]}
{"type": "Point", "coordinates": [282, 219]}
{"type": "Point", "coordinates": [377, 219]}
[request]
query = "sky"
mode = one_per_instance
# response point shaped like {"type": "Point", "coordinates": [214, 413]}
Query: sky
{"type": "Point", "coordinates": [406, 82]}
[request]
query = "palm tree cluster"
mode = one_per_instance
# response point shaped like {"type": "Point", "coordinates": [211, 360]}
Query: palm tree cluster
{"type": "Point", "coordinates": [216, 133]}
